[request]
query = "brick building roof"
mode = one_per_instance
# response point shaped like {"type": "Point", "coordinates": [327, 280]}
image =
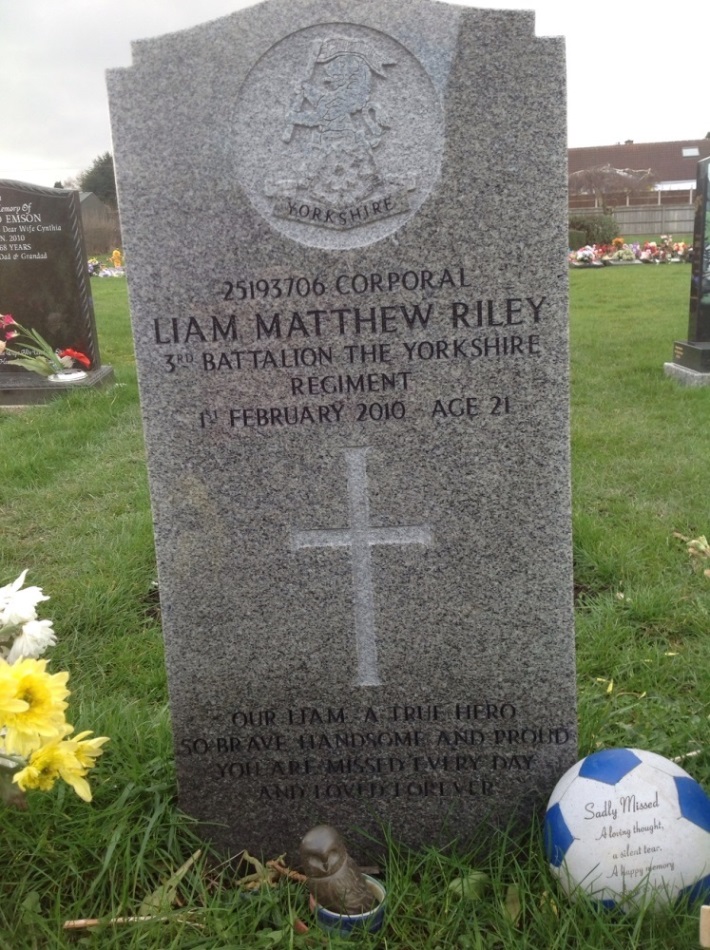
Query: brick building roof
{"type": "Point", "coordinates": [666, 160]}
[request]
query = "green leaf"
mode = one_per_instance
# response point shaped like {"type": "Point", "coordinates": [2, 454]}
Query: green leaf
{"type": "Point", "coordinates": [35, 364]}
{"type": "Point", "coordinates": [272, 938]}
{"type": "Point", "coordinates": [469, 885]}
{"type": "Point", "coordinates": [512, 902]}
{"type": "Point", "coordinates": [163, 897]}
{"type": "Point", "coordinates": [31, 903]}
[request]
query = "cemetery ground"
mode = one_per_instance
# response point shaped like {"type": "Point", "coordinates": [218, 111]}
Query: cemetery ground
{"type": "Point", "coordinates": [76, 514]}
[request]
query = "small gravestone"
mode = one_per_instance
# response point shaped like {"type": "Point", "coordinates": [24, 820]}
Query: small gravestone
{"type": "Point", "coordinates": [349, 301]}
{"type": "Point", "coordinates": [44, 285]}
{"type": "Point", "coordinates": [691, 357]}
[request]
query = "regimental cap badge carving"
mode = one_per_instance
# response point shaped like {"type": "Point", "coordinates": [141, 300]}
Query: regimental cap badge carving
{"type": "Point", "coordinates": [347, 158]}
{"type": "Point", "coordinates": [342, 185]}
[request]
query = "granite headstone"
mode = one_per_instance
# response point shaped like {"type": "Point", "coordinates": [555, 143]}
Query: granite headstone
{"type": "Point", "coordinates": [349, 300]}
{"type": "Point", "coordinates": [44, 284]}
{"type": "Point", "coordinates": [691, 357]}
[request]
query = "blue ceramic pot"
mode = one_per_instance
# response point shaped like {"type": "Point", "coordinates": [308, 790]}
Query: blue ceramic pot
{"type": "Point", "coordinates": [345, 925]}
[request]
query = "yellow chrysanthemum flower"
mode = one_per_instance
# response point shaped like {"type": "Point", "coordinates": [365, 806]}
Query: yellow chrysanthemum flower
{"type": "Point", "coordinates": [63, 757]}
{"type": "Point", "coordinates": [87, 750]}
{"type": "Point", "coordinates": [43, 717]}
{"type": "Point", "coordinates": [10, 702]}
{"type": "Point", "coordinates": [56, 759]}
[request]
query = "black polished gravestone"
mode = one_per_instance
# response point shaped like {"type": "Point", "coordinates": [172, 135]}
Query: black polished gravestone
{"type": "Point", "coordinates": [44, 285]}
{"type": "Point", "coordinates": [691, 357]}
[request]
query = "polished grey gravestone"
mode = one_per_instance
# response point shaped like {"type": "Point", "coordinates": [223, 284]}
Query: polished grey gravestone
{"type": "Point", "coordinates": [44, 285]}
{"type": "Point", "coordinates": [691, 358]}
{"type": "Point", "coordinates": [348, 286]}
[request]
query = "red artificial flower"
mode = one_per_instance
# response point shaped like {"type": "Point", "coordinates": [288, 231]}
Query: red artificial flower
{"type": "Point", "coordinates": [7, 321]}
{"type": "Point", "coordinates": [76, 355]}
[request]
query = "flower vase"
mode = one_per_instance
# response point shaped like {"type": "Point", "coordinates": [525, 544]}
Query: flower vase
{"type": "Point", "coordinates": [67, 376]}
{"type": "Point", "coordinates": [11, 794]}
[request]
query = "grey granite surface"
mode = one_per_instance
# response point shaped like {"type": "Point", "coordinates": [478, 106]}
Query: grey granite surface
{"type": "Point", "coordinates": [346, 228]}
{"type": "Point", "coordinates": [685, 375]}
{"type": "Point", "coordinates": [24, 388]}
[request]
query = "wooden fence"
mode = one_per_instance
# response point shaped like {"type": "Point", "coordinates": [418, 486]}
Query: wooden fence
{"type": "Point", "coordinates": [102, 230]}
{"type": "Point", "coordinates": [669, 212]}
{"type": "Point", "coordinates": [651, 219]}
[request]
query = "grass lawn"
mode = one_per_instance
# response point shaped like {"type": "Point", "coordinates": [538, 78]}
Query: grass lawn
{"type": "Point", "coordinates": [77, 514]}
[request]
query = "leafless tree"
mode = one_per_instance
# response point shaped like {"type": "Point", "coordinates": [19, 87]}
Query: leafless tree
{"type": "Point", "coordinates": [603, 181]}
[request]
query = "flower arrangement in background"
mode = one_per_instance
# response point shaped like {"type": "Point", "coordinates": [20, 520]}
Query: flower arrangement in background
{"type": "Point", "coordinates": [682, 250]}
{"type": "Point", "coordinates": [585, 255]}
{"type": "Point", "coordinates": [650, 252]}
{"type": "Point", "coordinates": [111, 265]}
{"type": "Point", "coordinates": [625, 252]}
{"type": "Point", "coordinates": [37, 745]}
{"type": "Point", "coordinates": [69, 354]}
{"type": "Point", "coordinates": [34, 353]}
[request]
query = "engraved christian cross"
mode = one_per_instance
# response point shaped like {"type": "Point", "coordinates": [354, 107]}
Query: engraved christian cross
{"type": "Point", "coordinates": [360, 536]}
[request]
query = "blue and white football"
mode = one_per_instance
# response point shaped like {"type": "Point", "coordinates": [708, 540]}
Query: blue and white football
{"type": "Point", "coordinates": [629, 828]}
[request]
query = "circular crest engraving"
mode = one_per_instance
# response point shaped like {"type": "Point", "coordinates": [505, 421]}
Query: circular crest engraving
{"type": "Point", "coordinates": [338, 136]}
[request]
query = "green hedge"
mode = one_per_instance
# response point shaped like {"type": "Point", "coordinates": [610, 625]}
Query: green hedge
{"type": "Point", "coordinates": [597, 228]}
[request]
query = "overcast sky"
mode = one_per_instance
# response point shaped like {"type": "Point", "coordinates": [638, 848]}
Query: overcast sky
{"type": "Point", "coordinates": [635, 71]}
